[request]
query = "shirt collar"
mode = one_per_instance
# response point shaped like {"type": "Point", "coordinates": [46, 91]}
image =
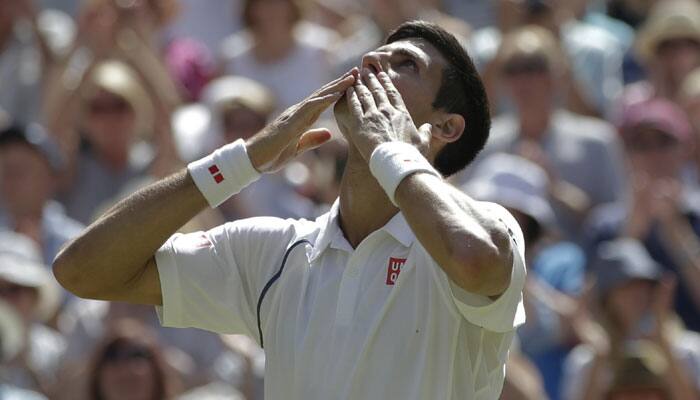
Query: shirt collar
{"type": "Point", "coordinates": [330, 233]}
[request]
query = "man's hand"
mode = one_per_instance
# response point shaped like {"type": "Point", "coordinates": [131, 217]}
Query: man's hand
{"type": "Point", "coordinates": [289, 134]}
{"type": "Point", "coordinates": [378, 115]}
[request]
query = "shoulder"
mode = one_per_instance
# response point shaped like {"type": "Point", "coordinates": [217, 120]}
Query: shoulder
{"type": "Point", "coordinates": [259, 232]}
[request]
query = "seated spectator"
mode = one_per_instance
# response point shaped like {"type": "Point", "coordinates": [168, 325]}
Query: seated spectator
{"type": "Point", "coordinates": [30, 40]}
{"type": "Point", "coordinates": [668, 45]}
{"type": "Point", "coordinates": [116, 113]}
{"type": "Point", "coordinates": [580, 154]}
{"type": "Point", "coordinates": [690, 101]}
{"type": "Point", "coordinates": [30, 289]}
{"type": "Point", "coordinates": [595, 77]}
{"type": "Point", "coordinates": [11, 343]}
{"type": "Point", "coordinates": [198, 357]}
{"type": "Point", "coordinates": [30, 166]}
{"type": "Point", "coordinates": [556, 267]}
{"type": "Point", "coordinates": [635, 302]}
{"type": "Point", "coordinates": [640, 374]}
{"type": "Point", "coordinates": [129, 364]}
{"type": "Point", "coordinates": [659, 211]}
{"type": "Point", "coordinates": [274, 56]}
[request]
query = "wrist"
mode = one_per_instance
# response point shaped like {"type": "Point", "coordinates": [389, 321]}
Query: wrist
{"type": "Point", "coordinates": [223, 173]}
{"type": "Point", "coordinates": [392, 162]}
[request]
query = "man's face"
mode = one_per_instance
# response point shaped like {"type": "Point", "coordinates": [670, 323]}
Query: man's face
{"type": "Point", "coordinates": [26, 180]}
{"type": "Point", "coordinates": [415, 67]}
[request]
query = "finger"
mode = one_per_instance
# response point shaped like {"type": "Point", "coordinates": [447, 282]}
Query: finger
{"type": "Point", "coordinates": [316, 105]}
{"type": "Point", "coordinates": [365, 96]}
{"type": "Point", "coordinates": [380, 97]}
{"type": "Point", "coordinates": [353, 102]}
{"type": "Point", "coordinates": [312, 139]}
{"type": "Point", "coordinates": [340, 84]}
{"type": "Point", "coordinates": [391, 92]}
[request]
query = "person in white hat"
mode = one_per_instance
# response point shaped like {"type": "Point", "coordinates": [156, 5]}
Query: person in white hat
{"type": "Point", "coordinates": [406, 289]}
{"type": "Point", "coordinates": [668, 46]}
{"type": "Point", "coordinates": [29, 289]}
{"type": "Point", "coordinates": [556, 267]}
{"type": "Point", "coordinates": [11, 343]}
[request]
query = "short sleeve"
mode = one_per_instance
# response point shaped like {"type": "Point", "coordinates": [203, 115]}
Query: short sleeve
{"type": "Point", "coordinates": [210, 280]}
{"type": "Point", "coordinates": [507, 312]}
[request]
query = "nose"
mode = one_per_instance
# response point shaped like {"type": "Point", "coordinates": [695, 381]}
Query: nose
{"type": "Point", "coordinates": [375, 61]}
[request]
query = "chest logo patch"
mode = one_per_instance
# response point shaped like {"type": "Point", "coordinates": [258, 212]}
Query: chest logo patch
{"type": "Point", "coordinates": [393, 269]}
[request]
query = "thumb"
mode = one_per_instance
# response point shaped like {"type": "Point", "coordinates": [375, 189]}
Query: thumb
{"type": "Point", "coordinates": [426, 129]}
{"type": "Point", "coordinates": [312, 139]}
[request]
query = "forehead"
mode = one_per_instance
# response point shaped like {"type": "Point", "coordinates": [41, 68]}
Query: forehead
{"type": "Point", "coordinates": [421, 49]}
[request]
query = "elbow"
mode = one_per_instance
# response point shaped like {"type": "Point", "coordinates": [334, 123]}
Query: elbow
{"type": "Point", "coordinates": [67, 270]}
{"type": "Point", "coordinates": [486, 269]}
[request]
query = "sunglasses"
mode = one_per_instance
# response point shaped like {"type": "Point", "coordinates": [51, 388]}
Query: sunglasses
{"type": "Point", "coordinates": [12, 290]}
{"type": "Point", "coordinates": [101, 107]}
{"type": "Point", "coordinates": [646, 142]}
{"type": "Point", "coordinates": [127, 353]}
{"type": "Point", "coordinates": [526, 66]}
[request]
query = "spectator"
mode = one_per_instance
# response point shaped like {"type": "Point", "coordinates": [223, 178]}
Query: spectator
{"type": "Point", "coordinates": [580, 154]}
{"type": "Point", "coordinates": [273, 55]}
{"type": "Point", "coordinates": [117, 111]}
{"type": "Point", "coordinates": [556, 268]}
{"type": "Point", "coordinates": [30, 166]}
{"type": "Point", "coordinates": [31, 291]}
{"type": "Point", "coordinates": [640, 374]}
{"type": "Point", "coordinates": [240, 108]}
{"type": "Point", "coordinates": [668, 45]}
{"type": "Point", "coordinates": [635, 303]}
{"type": "Point", "coordinates": [660, 211]}
{"type": "Point", "coordinates": [11, 340]}
{"type": "Point", "coordinates": [129, 364]}
{"type": "Point", "coordinates": [690, 101]}
{"type": "Point", "coordinates": [595, 79]}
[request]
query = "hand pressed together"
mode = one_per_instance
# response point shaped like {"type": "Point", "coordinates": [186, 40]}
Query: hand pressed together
{"type": "Point", "coordinates": [378, 114]}
{"type": "Point", "coordinates": [289, 135]}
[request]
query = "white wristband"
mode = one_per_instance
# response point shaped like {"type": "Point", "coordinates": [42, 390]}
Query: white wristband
{"type": "Point", "coordinates": [223, 173]}
{"type": "Point", "coordinates": [391, 162]}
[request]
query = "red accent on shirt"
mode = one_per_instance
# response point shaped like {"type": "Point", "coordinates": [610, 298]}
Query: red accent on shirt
{"type": "Point", "coordinates": [394, 269]}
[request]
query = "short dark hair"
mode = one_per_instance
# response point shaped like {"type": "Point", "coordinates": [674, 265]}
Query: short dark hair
{"type": "Point", "coordinates": [461, 92]}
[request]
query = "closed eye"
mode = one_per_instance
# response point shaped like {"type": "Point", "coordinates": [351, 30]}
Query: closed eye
{"type": "Point", "coordinates": [408, 63]}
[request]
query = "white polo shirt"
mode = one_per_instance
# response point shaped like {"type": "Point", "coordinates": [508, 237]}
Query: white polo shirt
{"type": "Point", "coordinates": [381, 321]}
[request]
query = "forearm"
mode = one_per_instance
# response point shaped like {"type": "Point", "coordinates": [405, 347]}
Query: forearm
{"type": "Point", "coordinates": [472, 247]}
{"type": "Point", "coordinates": [114, 251]}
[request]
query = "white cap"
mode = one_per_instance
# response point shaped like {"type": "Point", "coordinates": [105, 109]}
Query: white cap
{"type": "Point", "coordinates": [21, 263]}
{"type": "Point", "coordinates": [513, 182]}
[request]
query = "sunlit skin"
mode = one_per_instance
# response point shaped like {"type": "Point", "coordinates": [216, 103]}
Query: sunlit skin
{"type": "Point", "coordinates": [675, 59]}
{"type": "Point", "coordinates": [26, 181]}
{"type": "Point", "coordinates": [22, 299]}
{"type": "Point", "coordinates": [110, 126]}
{"type": "Point", "coordinates": [630, 302]}
{"type": "Point", "coordinates": [415, 68]}
{"type": "Point", "coordinates": [132, 379]}
{"type": "Point", "coordinates": [654, 153]}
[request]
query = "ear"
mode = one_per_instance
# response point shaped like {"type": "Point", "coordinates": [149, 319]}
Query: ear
{"type": "Point", "coordinates": [448, 128]}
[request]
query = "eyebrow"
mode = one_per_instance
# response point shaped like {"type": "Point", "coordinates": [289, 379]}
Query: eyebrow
{"type": "Point", "coordinates": [411, 54]}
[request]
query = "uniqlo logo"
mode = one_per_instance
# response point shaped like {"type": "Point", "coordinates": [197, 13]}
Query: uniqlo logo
{"type": "Point", "coordinates": [393, 269]}
{"type": "Point", "coordinates": [214, 171]}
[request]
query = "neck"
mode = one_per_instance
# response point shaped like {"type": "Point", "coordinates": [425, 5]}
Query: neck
{"type": "Point", "coordinates": [364, 206]}
{"type": "Point", "coordinates": [534, 121]}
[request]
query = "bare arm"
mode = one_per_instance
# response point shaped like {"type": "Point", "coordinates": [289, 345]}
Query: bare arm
{"type": "Point", "coordinates": [113, 259]}
{"type": "Point", "coordinates": [472, 246]}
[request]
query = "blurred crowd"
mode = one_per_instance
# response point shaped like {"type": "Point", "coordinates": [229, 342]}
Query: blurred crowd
{"type": "Point", "coordinates": [595, 149]}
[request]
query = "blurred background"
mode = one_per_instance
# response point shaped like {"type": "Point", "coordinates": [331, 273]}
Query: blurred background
{"type": "Point", "coordinates": [595, 148]}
